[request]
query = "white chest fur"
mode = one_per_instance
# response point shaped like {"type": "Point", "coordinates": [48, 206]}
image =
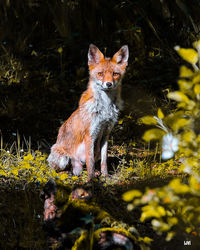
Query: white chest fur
{"type": "Point", "coordinates": [104, 112]}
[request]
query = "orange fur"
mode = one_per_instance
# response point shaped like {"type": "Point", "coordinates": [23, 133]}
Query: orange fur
{"type": "Point", "coordinates": [83, 138]}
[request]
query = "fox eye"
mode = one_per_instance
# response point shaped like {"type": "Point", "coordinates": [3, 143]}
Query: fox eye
{"type": "Point", "coordinates": [100, 73]}
{"type": "Point", "coordinates": [116, 74]}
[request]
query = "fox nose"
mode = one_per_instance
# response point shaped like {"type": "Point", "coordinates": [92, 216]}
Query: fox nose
{"type": "Point", "coordinates": [109, 84]}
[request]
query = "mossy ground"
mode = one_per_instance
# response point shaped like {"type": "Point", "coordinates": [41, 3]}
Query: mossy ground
{"type": "Point", "coordinates": [131, 165]}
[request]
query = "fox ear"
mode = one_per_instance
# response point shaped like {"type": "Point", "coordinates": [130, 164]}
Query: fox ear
{"type": "Point", "coordinates": [94, 55]}
{"type": "Point", "coordinates": [121, 56]}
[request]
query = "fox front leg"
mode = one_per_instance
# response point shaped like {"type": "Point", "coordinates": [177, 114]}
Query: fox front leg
{"type": "Point", "coordinates": [90, 157]}
{"type": "Point", "coordinates": [104, 154]}
{"type": "Point", "coordinates": [77, 167]}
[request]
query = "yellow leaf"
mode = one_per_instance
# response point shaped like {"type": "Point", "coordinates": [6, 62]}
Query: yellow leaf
{"type": "Point", "coordinates": [2, 172]}
{"type": "Point", "coordinates": [132, 144]}
{"type": "Point", "coordinates": [130, 169]}
{"type": "Point", "coordinates": [194, 183]}
{"type": "Point", "coordinates": [41, 179]}
{"type": "Point", "coordinates": [147, 240]}
{"type": "Point", "coordinates": [120, 121]}
{"type": "Point", "coordinates": [60, 50]}
{"type": "Point", "coordinates": [14, 171]}
{"type": "Point", "coordinates": [153, 134]}
{"type": "Point", "coordinates": [151, 53]}
{"type": "Point", "coordinates": [196, 79]}
{"type": "Point", "coordinates": [178, 187]}
{"type": "Point", "coordinates": [185, 72]}
{"type": "Point", "coordinates": [160, 114]}
{"type": "Point", "coordinates": [28, 157]}
{"type": "Point", "coordinates": [198, 139]}
{"type": "Point", "coordinates": [186, 209]}
{"type": "Point", "coordinates": [25, 165]}
{"type": "Point", "coordinates": [189, 105]}
{"type": "Point", "coordinates": [64, 177]}
{"type": "Point", "coordinates": [152, 211]}
{"type": "Point", "coordinates": [189, 136]}
{"type": "Point", "coordinates": [148, 120]}
{"type": "Point", "coordinates": [172, 221]}
{"type": "Point", "coordinates": [74, 178]}
{"type": "Point", "coordinates": [178, 96]}
{"type": "Point", "coordinates": [188, 230]}
{"type": "Point", "coordinates": [173, 118]}
{"type": "Point", "coordinates": [180, 123]}
{"type": "Point", "coordinates": [148, 214]}
{"type": "Point", "coordinates": [130, 195]}
{"type": "Point", "coordinates": [196, 44]}
{"type": "Point", "coordinates": [129, 116]}
{"type": "Point", "coordinates": [170, 235]}
{"type": "Point", "coordinates": [185, 85]}
{"type": "Point", "coordinates": [159, 225]}
{"type": "Point", "coordinates": [189, 55]}
{"type": "Point", "coordinates": [161, 211]}
{"type": "Point", "coordinates": [34, 53]}
{"type": "Point", "coordinates": [197, 89]}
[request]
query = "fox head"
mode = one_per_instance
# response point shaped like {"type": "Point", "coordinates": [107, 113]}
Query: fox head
{"type": "Point", "coordinates": [105, 72]}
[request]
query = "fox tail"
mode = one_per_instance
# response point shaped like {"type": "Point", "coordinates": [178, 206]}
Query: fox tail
{"type": "Point", "coordinates": [58, 158]}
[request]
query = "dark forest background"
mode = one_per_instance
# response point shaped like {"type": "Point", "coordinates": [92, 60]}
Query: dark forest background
{"type": "Point", "coordinates": [43, 56]}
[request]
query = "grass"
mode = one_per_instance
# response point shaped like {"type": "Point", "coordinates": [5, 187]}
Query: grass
{"type": "Point", "coordinates": [131, 165]}
{"type": "Point", "coordinates": [127, 162]}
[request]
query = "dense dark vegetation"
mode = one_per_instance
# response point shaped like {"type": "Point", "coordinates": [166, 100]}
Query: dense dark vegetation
{"type": "Point", "coordinates": [43, 56]}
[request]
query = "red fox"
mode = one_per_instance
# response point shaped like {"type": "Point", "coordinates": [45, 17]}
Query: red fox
{"type": "Point", "coordinates": [83, 138]}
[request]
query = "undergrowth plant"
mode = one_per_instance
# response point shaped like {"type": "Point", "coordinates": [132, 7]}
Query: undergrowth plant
{"type": "Point", "coordinates": [20, 163]}
{"type": "Point", "coordinates": [11, 72]}
{"type": "Point", "coordinates": [23, 165]}
{"type": "Point", "coordinates": [175, 208]}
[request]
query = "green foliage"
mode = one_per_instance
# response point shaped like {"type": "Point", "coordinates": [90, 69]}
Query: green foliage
{"type": "Point", "coordinates": [12, 71]}
{"type": "Point", "coordinates": [30, 166]}
{"type": "Point", "coordinates": [174, 208]}
{"type": "Point", "coordinates": [153, 134]}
